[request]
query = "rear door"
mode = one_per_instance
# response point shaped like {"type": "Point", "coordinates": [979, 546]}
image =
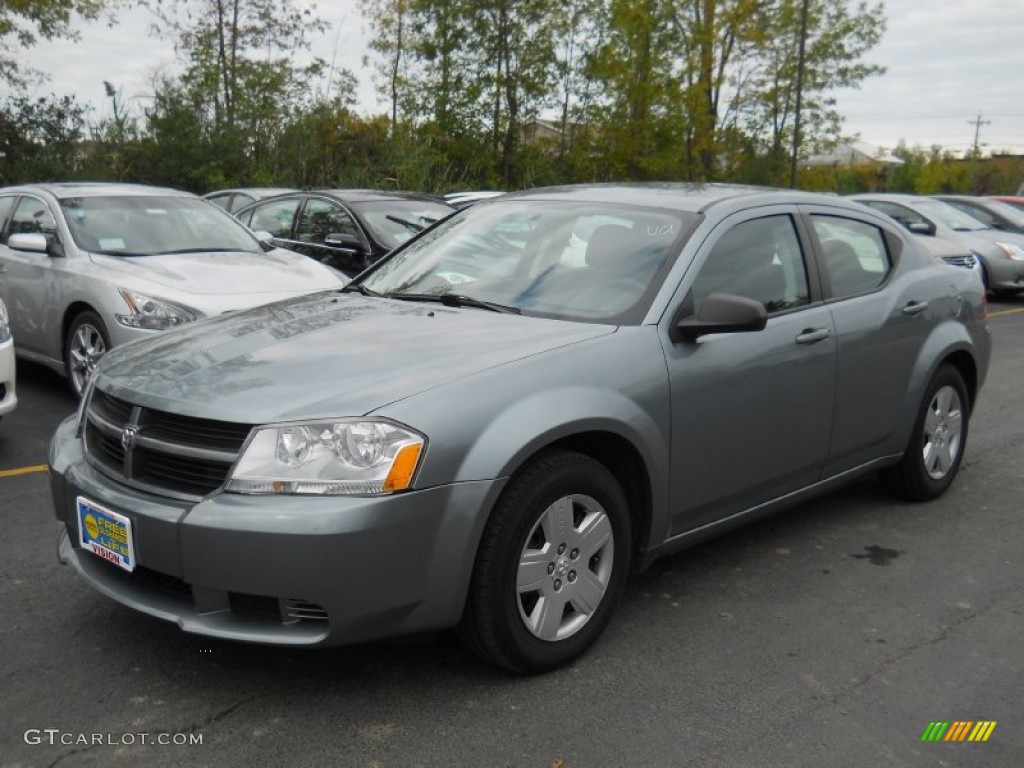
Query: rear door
{"type": "Point", "coordinates": [881, 317]}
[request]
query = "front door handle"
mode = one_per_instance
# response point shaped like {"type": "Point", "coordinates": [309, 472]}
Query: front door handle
{"type": "Point", "coordinates": [915, 307]}
{"type": "Point", "coordinates": [813, 335]}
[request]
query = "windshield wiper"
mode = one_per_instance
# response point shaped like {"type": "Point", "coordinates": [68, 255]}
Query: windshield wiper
{"type": "Point", "coordinates": [358, 288]}
{"type": "Point", "coordinates": [455, 300]}
{"type": "Point", "coordinates": [197, 250]}
{"type": "Point", "coordinates": [406, 223]}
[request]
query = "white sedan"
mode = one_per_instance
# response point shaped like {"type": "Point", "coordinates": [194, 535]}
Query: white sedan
{"type": "Point", "coordinates": [8, 398]}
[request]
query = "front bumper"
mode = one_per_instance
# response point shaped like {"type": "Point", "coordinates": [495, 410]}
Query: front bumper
{"type": "Point", "coordinates": [1004, 274]}
{"type": "Point", "coordinates": [8, 393]}
{"type": "Point", "coordinates": [281, 570]}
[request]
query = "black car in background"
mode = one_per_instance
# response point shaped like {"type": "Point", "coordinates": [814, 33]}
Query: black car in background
{"type": "Point", "coordinates": [347, 229]}
{"type": "Point", "coordinates": [232, 200]}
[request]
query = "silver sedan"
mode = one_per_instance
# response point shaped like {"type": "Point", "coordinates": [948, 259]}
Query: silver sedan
{"type": "Point", "coordinates": [85, 267]}
{"type": "Point", "coordinates": [496, 424]}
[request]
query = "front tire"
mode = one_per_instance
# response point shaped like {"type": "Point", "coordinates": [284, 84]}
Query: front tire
{"type": "Point", "coordinates": [86, 342]}
{"type": "Point", "coordinates": [553, 559]}
{"type": "Point", "coordinates": [936, 448]}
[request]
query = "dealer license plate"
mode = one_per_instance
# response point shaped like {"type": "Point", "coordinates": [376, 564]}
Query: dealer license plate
{"type": "Point", "coordinates": [106, 533]}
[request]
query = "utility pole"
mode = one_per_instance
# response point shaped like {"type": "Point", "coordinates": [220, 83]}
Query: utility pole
{"type": "Point", "coordinates": [977, 123]}
{"type": "Point", "coordinates": [799, 93]}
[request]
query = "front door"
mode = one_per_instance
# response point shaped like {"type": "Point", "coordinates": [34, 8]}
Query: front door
{"type": "Point", "coordinates": [751, 412]}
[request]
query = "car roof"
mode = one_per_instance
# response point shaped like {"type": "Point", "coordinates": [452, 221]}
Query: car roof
{"type": "Point", "coordinates": [64, 189]}
{"type": "Point", "coordinates": [894, 197]}
{"type": "Point", "coordinates": [678, 196]}
{"type": "Point", "coordinates": [370, 195]}
{"type": "Point", "coordinates": [258, 192]}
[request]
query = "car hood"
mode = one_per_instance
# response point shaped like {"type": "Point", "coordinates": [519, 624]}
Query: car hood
{"type": "Point", "coordinates": [229, 273]}
{"type": "Point", "coordinates": [322, 356]}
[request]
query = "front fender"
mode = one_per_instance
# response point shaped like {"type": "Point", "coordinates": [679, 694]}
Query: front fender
{"type": "Point", "coordinates": [488, 425]}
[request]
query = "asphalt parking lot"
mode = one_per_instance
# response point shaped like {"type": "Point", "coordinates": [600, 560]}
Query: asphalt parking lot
{"type": "Point", "coordinates": [830, 635]}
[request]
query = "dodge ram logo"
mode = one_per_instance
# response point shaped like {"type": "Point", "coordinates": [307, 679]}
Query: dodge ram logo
{"type": "Point", "coordinates": [128, 435]}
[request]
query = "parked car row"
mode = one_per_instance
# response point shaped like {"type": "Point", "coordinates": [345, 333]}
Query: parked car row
{"type": "Point", "coordinates": [85, 267]}
{"type": "Point", "coordinates": [512, 412]}
{"type": "Point", "coordinates": [8, 393]}
{"type": "Point", "coordinates": [964, 224]}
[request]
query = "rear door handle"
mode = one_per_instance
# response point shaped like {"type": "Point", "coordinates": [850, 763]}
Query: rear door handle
{"type": "Point", "coordinates": [915, 307]}
{"type": "Point", "coordinates": [813, 335]}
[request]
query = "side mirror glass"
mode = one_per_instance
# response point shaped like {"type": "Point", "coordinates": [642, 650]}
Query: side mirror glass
{"type": "Point", "coordinates": [722, 313]}
{"type": "Point", "coordinates": [344, 240]}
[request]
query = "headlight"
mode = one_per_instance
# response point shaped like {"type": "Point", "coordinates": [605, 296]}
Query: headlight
{"type": "Point", "coordinates": [5, 325]}
{"type": "Point", "coordinates": [1012, 251]}
{"type": "Point", "coordinates": [152, 314]}
{"type": "Point", "coordinates": [329, 458]}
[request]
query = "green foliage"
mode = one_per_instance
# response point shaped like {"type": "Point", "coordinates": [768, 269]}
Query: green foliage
{"type": "Point", "coordinates": [24, 22]}
{"type": "Point", "coordinates": [40, 138]}
{"type": "Point", "coordinates": [630, 90]}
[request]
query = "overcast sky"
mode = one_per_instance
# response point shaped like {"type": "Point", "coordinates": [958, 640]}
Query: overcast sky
{"type": "Point", "coordinates": [948, 62]}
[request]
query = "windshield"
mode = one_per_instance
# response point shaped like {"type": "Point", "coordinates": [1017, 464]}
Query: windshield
{"type": "Point", "coordinates": [392, 222]}
{"type": "Point", "coordinates": [946, 214]}
{"type": "Point", "coordinates": [578, 261]}
{"type": "Point", "coordinates": [1013, 215]}
{"type": "Point", "coordinates": [146, 225]}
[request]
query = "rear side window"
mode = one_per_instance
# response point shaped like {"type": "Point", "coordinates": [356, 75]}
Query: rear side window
{"type": "Point", "coordinates": [855, 254]}
{"type": "Point", "coordinates": [6, 203]}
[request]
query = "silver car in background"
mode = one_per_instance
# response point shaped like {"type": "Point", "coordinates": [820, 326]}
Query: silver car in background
{"type": "Point", "coordinates": [86, 267]}
{"type": "Point", "coordinates": [8, 394]}
{"type": "Point", "coordinates": [1001, 253]}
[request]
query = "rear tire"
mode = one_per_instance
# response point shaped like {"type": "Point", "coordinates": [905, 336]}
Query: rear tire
{"type": "Point", "coordinates": [936, 447]}
{"type": "Point", "coordinates": [553, 559]}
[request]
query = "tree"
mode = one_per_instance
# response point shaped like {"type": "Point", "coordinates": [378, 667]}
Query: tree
{"type": "Point", "coordinates": [40, 138]}
{"type": "Point", "coordinates": [24, 22]}
{"type": "Point", "coordinates": [837, 38]}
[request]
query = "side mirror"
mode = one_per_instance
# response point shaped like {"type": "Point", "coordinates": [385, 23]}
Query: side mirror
{"type": "Point", "coordinates": [344, 240]}
{"type": "Point", "coordinates": [263, 236]}
{"type": "Point", "coordinates": [36, 242]}
{"type": "Point", "coordinates": [722, 313]}
{"type": "Point", "coordinates": [921, 228]}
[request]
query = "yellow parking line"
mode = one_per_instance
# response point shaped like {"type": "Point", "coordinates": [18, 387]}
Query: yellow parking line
{"type": "Point", "coordinates": [23, 470]}
{"type": "Point", "coordinates": [1002, 312]}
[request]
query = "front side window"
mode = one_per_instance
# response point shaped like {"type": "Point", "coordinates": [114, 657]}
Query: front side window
{"type": "Point", "coordinates": [275, 217]}
{"type": "Point", "coordinates": [32, 215]}
{"type": "Point", "coordinates": [760, 259]}
{"type": "Point", "coordinates": [855, 255]}
{"type": "Point", "coordinates": [593, 262]}
{"type": "Point", "coordinates": [321, 218]}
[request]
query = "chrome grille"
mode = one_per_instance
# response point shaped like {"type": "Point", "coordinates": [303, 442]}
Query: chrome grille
{"type": "Point", "coordinates": [968, 261]}
{"type": "Point", "coordinates": [302, 610]}
{"type": "Point", "coordinates": [161, 452]}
